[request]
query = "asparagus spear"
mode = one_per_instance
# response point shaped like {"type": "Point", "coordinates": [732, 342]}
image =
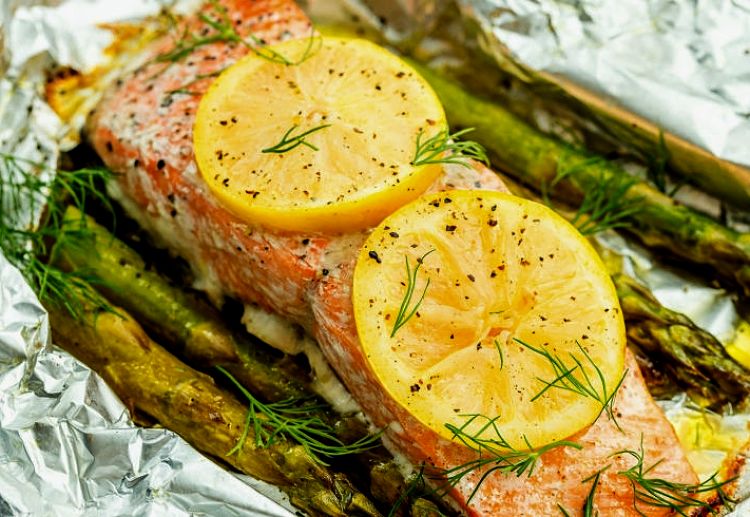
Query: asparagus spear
{"type": "Point", "coordinates": [179, 318]}
{"type": "Point", "coordinates": [170, 312]}
{"type": "Point", "coordinates": [148, 378]}
{"type": "Point", "coordinates": [540, 160]}
{"type": "Point", "coordinates": [691, 357]}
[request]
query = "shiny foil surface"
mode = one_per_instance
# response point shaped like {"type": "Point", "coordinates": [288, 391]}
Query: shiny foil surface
{"type": "Point", "coordinates": [683, 65]}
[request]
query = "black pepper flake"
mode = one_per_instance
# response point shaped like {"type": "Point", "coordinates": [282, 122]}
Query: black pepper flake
{"type": "Point", "coordinates": [394, 235]}
{"type": "Point", "coordinates": [492, 222]}
{"type": "Point", "coordinates": [109, 146]}
{"type": "Point", "coordinates": [325, 272]}
{"type": "Point", "coordinates": [414, 388]}
{"type": "Point", "coordinates": [525, 262]}
{"type": "Point", "coordinates": [471, 277]}
{"type": "Point", "coordinates": [374, 255]}
{"type": "Point", "coordinates": [450, 227]}
{"type": "Point", "coordinates": [160, 164]}
{"type": "Point", "coordinates": [305, 242]}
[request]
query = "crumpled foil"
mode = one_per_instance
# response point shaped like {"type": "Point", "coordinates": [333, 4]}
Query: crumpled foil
{"type": "Point", "coordinates": [684, 65]}
{"type": "Point", "coordinates": [67, 444]}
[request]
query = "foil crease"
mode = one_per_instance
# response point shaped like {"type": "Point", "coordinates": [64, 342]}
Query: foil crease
{"type": "Point", "coordinates": [67, 444]}
{"type": "Point", "coordinates": [683, 65]}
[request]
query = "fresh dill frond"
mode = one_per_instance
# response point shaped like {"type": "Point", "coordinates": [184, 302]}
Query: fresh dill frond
{"type": "Point", "coordinates": [575, 378]}
{"type": "Point", "coordinates": [658, 492]}
{"type": "Point", "coordinates": [657, 170]}
{"type": "Point", "coordinates": [588, 505]}
{"type": "Point", "coordinates": [416, 484]}
{"type": "Point", "coordinates": [29, 247]}
{"type": "Point", "coordinates": [297, 420]}
{"type": "Point", "coordinates": [404, 313]}
{"type": "Point", "coordinates": [495, 453]}
{"type": "Point", "coordinates": [448, 148]}
{"type": "Point", "coordinates": [224, 31]}
{"type": "Point", "coordinates": [289, 142]}
{"type": "Point", "coordinates": [606, 205]}
{"type": "Point", "coordinates": [500, 353]}
{"type": "Point", "coordinates": [185, 88]}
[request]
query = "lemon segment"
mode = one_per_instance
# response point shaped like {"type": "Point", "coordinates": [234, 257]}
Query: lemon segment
{"type": "Point", "coordinates": [500, 269]}
{"type": "Point", "coordinates": [360, 110]}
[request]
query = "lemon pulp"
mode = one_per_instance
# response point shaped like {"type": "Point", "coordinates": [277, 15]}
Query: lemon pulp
{"type": "Point", "coordinates": [360, 110]}
{"type": "Point", "coordinates": [503, 273]}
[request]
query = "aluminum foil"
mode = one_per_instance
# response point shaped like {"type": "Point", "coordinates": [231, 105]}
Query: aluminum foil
{"type": "Point", "coordinates": [67, 444]}
{"type": "Point", "coordinates": [684, 65]}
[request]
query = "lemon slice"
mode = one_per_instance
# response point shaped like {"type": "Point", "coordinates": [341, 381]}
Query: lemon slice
{"type": "Point", "coordinates": [322, 145]}
{"type": "Point", "coordinates": [500, 285]}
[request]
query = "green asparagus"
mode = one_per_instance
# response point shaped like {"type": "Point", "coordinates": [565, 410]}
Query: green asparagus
{"type": "Point", "coordinates": [170, 312]}
{"type": "Point", "coordinates": [178, 317]}
{"type": "Point", "coordinates": [149, 379]}
{"type": "Point", "coordinates": [692, 356]}
{"type": "Point", "coordinates": [540, 161]}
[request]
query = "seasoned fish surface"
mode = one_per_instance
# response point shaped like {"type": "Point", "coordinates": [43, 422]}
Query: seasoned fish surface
{"type": "Point", "coordinates": [143, 129]}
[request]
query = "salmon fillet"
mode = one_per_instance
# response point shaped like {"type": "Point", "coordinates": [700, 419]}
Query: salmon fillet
{"type": "Point", "coordinates": [143, 130]}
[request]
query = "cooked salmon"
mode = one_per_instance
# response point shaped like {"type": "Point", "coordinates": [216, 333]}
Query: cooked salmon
{"type": "Point", "coordinates": [143, 130]}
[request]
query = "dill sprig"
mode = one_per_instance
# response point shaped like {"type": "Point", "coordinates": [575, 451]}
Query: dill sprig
{"type": "Point", "coordinates": [297, 420]}
{"type": "Point", "coordinates": [185, 88]}
{"type": "Point", "coordinates": [500, 353]}
{"type": "Point", "coordinates": [658, 492]}
{"type": "Point", "coordinates": [588, 505]}
{"type": "Point", "coordinates": [29, 246]}
{"type": "Point", "coordinates": [448, 148]}
{"type": "Point", "coordinates": [416, 484]}
{"type": "Point", "coordinates": [224, 31]}
{"type": "Point", "coordinates": [404, 313]}
{"type": "Point", "coordinates": [606, 206]}
{"type": "Point", "coordinates": [575, 377]}
{"type": "Point", "coordinates": [495, 453]}
{"type": "Point", "coordinates": [603, 207]}
{"type": "Point", "coordinates": [288, 142]}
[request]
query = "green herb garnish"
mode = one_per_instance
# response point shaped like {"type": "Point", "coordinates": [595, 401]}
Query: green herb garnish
{"type": "Point", "coordinates": [225, 32]}
{"type": "Point", "coordinates": [447, 148]}
{"type": "Point", "coordinates": [288, 142]}
{"type": "Point", "coordinates": [575, 377]}
{"type": "Point", "coordinates": [404, 313]}
{"type": "Point", "coordinates": [298, 420]}
{"type": "Point", "coordinates": [29, 247]}
{"type": "Point", "coordinates": [495, 453]}
{"type": "Point", "coordinates": [678, 497]}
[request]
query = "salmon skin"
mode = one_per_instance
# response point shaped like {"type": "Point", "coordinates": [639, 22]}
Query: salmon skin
{"type": "Point", "coordinates": [143, 130]}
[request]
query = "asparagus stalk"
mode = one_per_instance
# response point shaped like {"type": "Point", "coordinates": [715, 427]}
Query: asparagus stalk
{"type": "Point", "coordinates": [148, 378]}
{"type": "Point", "coordinates": [180, 318]}
{"type": "Point", "coordinates": [539, 160]}
{"type": "Point", "coordinates": [688, 355]}
{"type": "Point", "coordinates": [170, 312]}
{"type": "Point", "coordinates": [692, 356]}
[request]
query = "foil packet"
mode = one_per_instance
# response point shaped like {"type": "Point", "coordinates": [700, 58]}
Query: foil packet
{"type": "Point", "coordinates": [67, 444]}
